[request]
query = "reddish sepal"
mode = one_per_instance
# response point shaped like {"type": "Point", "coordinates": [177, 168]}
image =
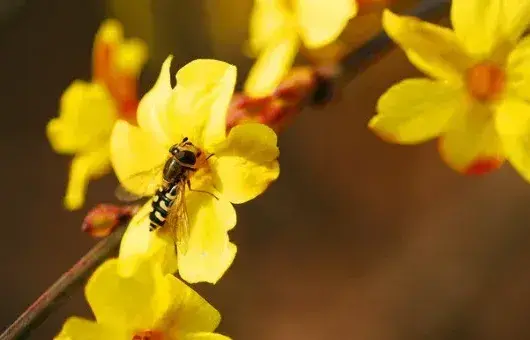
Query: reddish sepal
{"type": "Point", "coordinates": [104, 218]}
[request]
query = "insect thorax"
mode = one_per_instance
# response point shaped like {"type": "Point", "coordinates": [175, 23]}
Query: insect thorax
{"type": "Point", "coordinates": [172, 170]}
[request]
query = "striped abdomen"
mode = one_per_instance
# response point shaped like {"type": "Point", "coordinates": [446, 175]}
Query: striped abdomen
{"type": "Point", "coordinates": [162, 201]}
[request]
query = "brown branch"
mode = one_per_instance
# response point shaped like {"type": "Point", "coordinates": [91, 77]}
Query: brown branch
{"type": "Point", "coordinates": [57, 292]}
{"type": "Point", "coordinates": [304, 86]}
{"type": "Point", "coordinates": [312, 86]}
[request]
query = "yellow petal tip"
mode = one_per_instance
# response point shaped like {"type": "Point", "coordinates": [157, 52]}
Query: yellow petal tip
{"type": "Point", "coordinates": [372, 122]}
{"type": "Point", "coordinates": [388, 14]}
{"type": "Point", "coordinates": [164, 79]}
{"type": "Point", "coordinates": [53, 133]}
{"type": "Point", "coordinates": [110, 31]}
{"type": "Point", "coordinates": [389, 19]}
{"type": "Point", "coordinates": [168, 60]}
{"type": "Point", "coordinates": [73, 202]}
{"type": "Point", "coordinates": [131, 56]}
{"type": "Point", "coordinates": [210, 70]}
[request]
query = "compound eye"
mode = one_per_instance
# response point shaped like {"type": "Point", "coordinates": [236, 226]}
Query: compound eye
{"type": "Point", "coordinates": [186, 157]}
{"type": "Point", "coordinates": [174, 149]}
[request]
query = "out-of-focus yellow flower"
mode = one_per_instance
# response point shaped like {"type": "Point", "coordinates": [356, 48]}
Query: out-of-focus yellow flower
{"type": "Point", "coordinates": [276, 28]}
{"type": "Point", "coordinates": [477, 98]}
{"type": "Point", "coordinates": [148, 305]}
{"type": "Point", "coordinates": [87, 115]}
{"type": "Point", "coordinates": [88, 110]}
{"type": "Point", "coordinates": [243, 165]}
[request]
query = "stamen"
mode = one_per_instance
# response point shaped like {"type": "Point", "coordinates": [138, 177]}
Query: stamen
{"type": "Point", "coordinates": [485, 81]}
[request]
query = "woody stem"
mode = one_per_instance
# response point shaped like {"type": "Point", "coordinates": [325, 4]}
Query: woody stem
{"type": "Point", "coordinates": [35, 314]}
{"type": "Point", "coordinates": [371, 52]}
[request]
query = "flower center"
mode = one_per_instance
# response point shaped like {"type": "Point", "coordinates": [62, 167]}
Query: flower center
{"type": "Point", "coordinates": [485, 81]}
{"type": "Point", "coordinates": [148, 335]}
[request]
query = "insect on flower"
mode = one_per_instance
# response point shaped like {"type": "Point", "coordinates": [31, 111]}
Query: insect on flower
{"type": "Point", "coordinates": [168, 206]}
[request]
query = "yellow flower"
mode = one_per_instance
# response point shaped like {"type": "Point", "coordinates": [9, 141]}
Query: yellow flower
{"type": "Point", "coordinates": [243, 164]}
{"type": "Point", "coordinates": [147, 304]}
{"type": "Point", "coordinates": [476, 99]}
{"type": "Point", "coordinates": [276, 28]}
{"type": "Point", "coordinates": [88, 110]}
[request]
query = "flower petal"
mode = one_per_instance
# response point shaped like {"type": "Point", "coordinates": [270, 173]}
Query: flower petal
{"type": "Point", "coordinates": [209, 252]}
{"type": "Point", "coordinates": [85, 166]}
{"type": "Point", "coordinates": [433, 49]}
{"type": "Point", "coordinates": [513, 124]}
{"type": "Point", "coordinates": [518, 69]}
{"type": "Point", "coordinates": [153, 108]}
{"type": "Point", "coordinates": [80, 329]}
{"type": "Point", "coordinates": [477, 23]}
{"type": "Point", "coordinates": [208, 266]}
{"type": "Point", "coordinates": [185, 310]}
{"type": "Point", "coordinates": [133, 154]}
{"type": "Point", "coordinates": [471, 138]}
{"type": "Point", "coordinates": [204, 336]}
{"type": "Point", "coordinates": [267, 19]}
{"type": "Point", "coordinates": [130, 57]}
{"type": "Point", "coordinates": [202, 188]}
{"type": "Point", "coordinates": [108, 37]}
{"type": "Point", "coordinates": [246, 163]}
{"type": "Point", "coordinates": [87, 115]}
{"type": "Point", "coordinates": [200, 101]}
{"type": "Point", "coordinates": [415, 110]}
{"type": "Point", "coordinates": [322, 21]}
{"type": "Point", "coordinates": [272, 65]}
{"type": "Point", "coordinates": [123, 302]}
{"type": "Point", "coordinates": [139, 244]}
{"type": "Point", "coordinates": [516, 18]}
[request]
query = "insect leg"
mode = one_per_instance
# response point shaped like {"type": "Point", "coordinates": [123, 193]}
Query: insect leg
{"type": "Point", "coordinates": [203, 191]}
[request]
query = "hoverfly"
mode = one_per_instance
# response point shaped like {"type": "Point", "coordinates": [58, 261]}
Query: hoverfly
{"type": "Point", "coordinates": [168, 204]}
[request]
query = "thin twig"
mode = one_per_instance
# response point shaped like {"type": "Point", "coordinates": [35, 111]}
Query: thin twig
{"type": "Point", "coordinates": [352, 64]}
{"type": "Point", "coordinates": [376, 48]}
{"type": "Point", "coordinates": [70, 280]}
{"type": "Point", "coordinates": [316, 85]}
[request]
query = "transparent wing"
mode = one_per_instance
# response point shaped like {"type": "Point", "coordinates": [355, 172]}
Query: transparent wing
{"type": "Point", "coordinates": [148, 181]}
{"type": "Point", "coordinates": [178, 220]}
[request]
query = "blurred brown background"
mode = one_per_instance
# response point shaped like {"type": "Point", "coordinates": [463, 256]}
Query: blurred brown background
{"type": "Point", "coordinates": [358, 239]}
